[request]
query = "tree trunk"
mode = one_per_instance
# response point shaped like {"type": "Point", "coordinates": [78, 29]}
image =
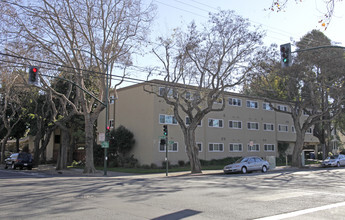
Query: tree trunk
{"type": "Point", "coordinates": [62, 157]}
{"type": "Point", "coordinates": [17, 144]}
{"type": "Point", "coordinates": [297, 151]}
{"type": "Point", "coordinates": [192, 151]}
{"type": "Point", "coordinates": [3, 147]}
{"type": "Point", "coordinates": [89, 139]}
{"type": "Point", "coordinates": [37, 148]}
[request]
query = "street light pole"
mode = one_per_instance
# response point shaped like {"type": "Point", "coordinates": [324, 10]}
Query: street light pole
{"type": "Point", "coordinates": [106, 104]}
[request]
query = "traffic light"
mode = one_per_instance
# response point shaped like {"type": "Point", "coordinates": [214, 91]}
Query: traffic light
{"type": "Point", "coordinates": [285, 54]}
{"type": "Point", "coordinates": [33, 75]}
{"type": "Point", "coordinates": [107, 134]}
{"type": "Point", "coordinates": [165, 130]}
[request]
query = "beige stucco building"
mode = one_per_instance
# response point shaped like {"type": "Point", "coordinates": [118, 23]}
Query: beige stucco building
{"type": "Point", "coordinates": [247, 126]}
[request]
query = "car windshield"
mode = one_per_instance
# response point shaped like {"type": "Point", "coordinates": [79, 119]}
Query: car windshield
{"type": "Point", "coordinates": [242, 159]}
{"type": "Point", "coordinates": [333, 157]}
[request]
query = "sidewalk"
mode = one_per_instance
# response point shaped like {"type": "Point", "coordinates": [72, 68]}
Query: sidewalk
{"type": "Point", "coordinates": [75, 172]}
{"type": "Point", "coordinates": [50, 169]}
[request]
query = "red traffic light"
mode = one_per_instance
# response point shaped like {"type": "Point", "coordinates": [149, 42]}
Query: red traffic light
{"type": "Point", "coordinates": [34, 70]}
{"type": "Point", "coordinates": [108, 128]}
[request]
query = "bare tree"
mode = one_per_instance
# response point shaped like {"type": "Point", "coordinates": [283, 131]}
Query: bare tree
{"type": "Point", "coordinates": [61, 31]}
{"type": "Point", "coordinates": [199, 65]}
{"type": "Point", "coordinates": [10, 105]}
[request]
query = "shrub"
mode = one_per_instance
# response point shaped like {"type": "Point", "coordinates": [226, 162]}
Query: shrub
{"type": "Point", "coordinates": [181, 163]}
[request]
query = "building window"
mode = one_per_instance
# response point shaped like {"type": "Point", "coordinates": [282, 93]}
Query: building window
{"type": "Point", "coordinates": [216, 147]}
{"type": "Point", "coordinates": [283, 108]}
{"type": "Point", "coordinates": [254, 148]}
{"type": "Point", "coordinates": [216, 123]}
{"type": "Point", "coordinates": [293, 130]}
{"type": "Point", "coordinates": [266, 106]}
{"type": "Point", "coordinates": [235, 102]}
{"type": "Point", "coordinates": [171, 92]}
{"type": "Point", "coordinates": [269, 147]}
{"type": "Point", "coordinates": [57, 139]}
{"type": "Point", "coordinates": [334, 145]}
{"type": "Point", "coordinates": [235, 124]}
{"type": "Point", "coordinates": [235, 147]}
{"type": "Point", "coordinates": [218, 100]}
{"type": "Point", "coordinates": [252, 104]}
{"type": "Point", "coordinates": [309, 131]}
{"type": "Point", "coordinates": [171, 147]}
{"type": "Point", "coordinates": [111, 100]}
{"type": "Point", "coordinates": [111, 123]}
{"type": "Point", "coordinates": [253, 125]}
{"type": "Point", "coordinates": [199, 145]}
{"type": "Point", "coordinates": [167, 119]}
{"type": "Point", "coordinates": [188, 121]}
{"type": "Point", "coordinates": [283, 128]}
{"type": "Point", "coordinates": [268, 127]}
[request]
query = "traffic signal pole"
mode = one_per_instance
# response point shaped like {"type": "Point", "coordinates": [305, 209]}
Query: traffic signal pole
{"type": "Point", "coordinates": [285, 52]}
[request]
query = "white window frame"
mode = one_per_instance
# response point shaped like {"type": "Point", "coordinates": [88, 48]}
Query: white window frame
{"type": "Point", "coordinates": [187, 120]}
{"type": "Point", "coordinates": [268, 125]}
{"type": "Point", "coordinates": [235, 102]}
{"type": "Point", "coordinates": [309, 131]}
{"type": "Point", "coordinates": [112, 99]}
{"type": "Point", "coordinates": [234, 122]}
{"type": "Point", "coordinates": [171, 94]}
{"type": "Point", "coordinates": [266, 106]}
{"type": "Point", "coordinates": [269, 147]}
{"type": "Point", "coordinates": [170, 147]}
{"type": "Point", "coordinates": [280, 126]}
{"type": "Point", "coordinates": [173, 120]}
{"type": "Point", "coordinates": [234, 145]}
{"type": "Point", "coordinates": [212, 126]}
{"type": "Point", "coordinates": [283, 108]}
{"type": "Point", "coordinates": [252, 123]}
{"type": "Point", "coordinates": [219, 100]}
{"type": "Point", "coordinates": [200, 146]}
{"type": "Point", "coordinates": [213, 148]}
{"type": "Point", "coordinates": [111, 123]}
{"type": "Point", "coordinates": [254, 148]}
{"type": "Point", "coordinates": [250, 103]}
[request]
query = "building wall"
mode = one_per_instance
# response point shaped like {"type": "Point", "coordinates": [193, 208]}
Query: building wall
{"type": "Point", "coordinates": [140, 112]}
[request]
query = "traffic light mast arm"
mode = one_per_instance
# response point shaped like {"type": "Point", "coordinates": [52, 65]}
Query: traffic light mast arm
{"type": "Point", "coordinates": [315, 48]}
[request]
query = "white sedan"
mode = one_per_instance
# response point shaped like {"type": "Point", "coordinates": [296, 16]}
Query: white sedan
{"type": "Point", "coordinates": [334, 161]}
{"type": "Point", "coordinates": [247, 164]}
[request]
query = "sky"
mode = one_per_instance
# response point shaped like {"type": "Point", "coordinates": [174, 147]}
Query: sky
{"type": "Point", "coordinates": [288, 26]}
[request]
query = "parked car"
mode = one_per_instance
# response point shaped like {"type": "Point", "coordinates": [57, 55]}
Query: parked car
{"type": "Point", "coordinates": [332, 161]}
{"type": "Point", "coordinates": [247, 164]}
{"type": "Point", "coordinates": [20, 160]}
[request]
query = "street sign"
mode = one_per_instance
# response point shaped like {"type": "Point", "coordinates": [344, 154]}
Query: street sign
{"type": "Point", "coordinates": [162, 137]}
{"type": "Point", "coordinates": [105, 144]}
{"type": "Point", "coordinates": [171, 142]}
{"type": "Point", "coordinates": [101, 137]}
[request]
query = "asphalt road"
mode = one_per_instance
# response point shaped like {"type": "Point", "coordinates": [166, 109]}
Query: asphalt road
{"type": "Point", "coordinates": [307, 194]}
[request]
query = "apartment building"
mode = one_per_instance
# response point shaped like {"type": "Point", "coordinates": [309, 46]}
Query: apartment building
{"type": "Point", "coordinates": [247, 126]}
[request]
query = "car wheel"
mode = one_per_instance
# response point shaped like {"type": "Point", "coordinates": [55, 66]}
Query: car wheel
{"type": "Point", "coordinates": [338, 164]}
{"type": "Point", "coordinates": [29, 168]}
{"type": "Point", "coordinates": [264, 169]}
{"type": "Point", "coordinates": [244, 170]}
{"type": "Point", "coordinates": [6, 166]}
{"type": "Point", "coordinates": [13, 166]}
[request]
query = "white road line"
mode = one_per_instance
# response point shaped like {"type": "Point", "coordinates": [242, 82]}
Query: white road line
{"type": "Point", "coordinates": [302, 212]}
